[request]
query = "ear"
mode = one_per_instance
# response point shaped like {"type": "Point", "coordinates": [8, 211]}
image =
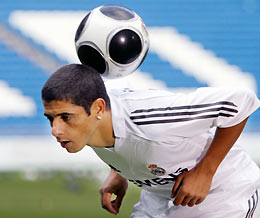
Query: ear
{"type": "Point", "coordinates": [98, 107]}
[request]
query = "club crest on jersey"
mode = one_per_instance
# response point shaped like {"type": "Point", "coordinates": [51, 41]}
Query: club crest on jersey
{"type": "Point", "coordinates": [155, 170]}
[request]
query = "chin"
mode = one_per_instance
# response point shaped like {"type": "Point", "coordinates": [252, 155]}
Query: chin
{"type": "Point", "coordinates": [74, 150]}
{"type": "Point", "coordinates": [71, 151]}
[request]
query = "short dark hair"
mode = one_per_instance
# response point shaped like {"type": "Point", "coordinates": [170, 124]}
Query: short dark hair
{"type": "Point", "coordinates": [77, 83]}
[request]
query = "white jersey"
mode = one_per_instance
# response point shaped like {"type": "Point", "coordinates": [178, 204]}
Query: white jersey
{"type": "Point", "coordinates": [160, 134]}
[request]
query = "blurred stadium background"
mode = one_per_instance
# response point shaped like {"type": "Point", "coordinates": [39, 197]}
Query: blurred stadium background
{"type": "Point", "coordinates": [193, 43]}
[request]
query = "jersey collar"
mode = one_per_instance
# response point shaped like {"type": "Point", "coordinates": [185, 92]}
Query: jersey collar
{"type": "Point", "coordinates": [117, 117]}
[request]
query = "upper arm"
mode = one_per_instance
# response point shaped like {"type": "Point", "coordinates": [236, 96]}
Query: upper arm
{"type": "Point", "coordinates": [191, 114]}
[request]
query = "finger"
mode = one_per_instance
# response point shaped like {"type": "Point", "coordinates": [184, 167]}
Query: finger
{"type": "Point", "coordinates": [199, 200]}
{"type": "Point", "coordinates": [118, 200]}
{"type": "Point", "coordinates": [177, 186]}
{"type": "Point", "coordinates": [192, 202]}
{"type": "Point", "coordinates": [113, 203]}
{"type": "Point", "coordinates": [186, 200]}
{"type": "Point", "coordinates": [117, 203]}
{"type": "Point", "coordinates": [180, 196]}
{"type": "Point", "coordinates": [195, 201]}
{"type": "Point", "coordinates": [107, 204]}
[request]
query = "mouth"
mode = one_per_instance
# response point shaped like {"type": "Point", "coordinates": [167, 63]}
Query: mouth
{"type": "Point", "coordinates": [64, 144]}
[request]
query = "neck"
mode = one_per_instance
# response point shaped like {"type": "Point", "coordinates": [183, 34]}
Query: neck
{"type": "Point", "coordinates": [105, 135]}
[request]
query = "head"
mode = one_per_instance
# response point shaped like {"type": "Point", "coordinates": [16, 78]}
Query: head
{"type": "Point", "coordinates": [74, 99]}
{"type": "Point", "coordinates": [79, 84]}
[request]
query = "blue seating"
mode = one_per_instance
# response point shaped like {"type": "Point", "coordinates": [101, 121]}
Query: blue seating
{"type": "Point", "coordinates": [230, 29]}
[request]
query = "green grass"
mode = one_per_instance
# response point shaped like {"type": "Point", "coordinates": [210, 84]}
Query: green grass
{"type": "Point", "coordinates": [60, 196]}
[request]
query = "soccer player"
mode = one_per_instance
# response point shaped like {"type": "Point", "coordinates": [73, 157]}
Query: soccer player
{"type": "Point", "coordinates": [162, 142]}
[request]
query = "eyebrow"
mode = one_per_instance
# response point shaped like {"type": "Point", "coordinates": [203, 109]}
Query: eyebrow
{"type": "Point", "coordinates": [60, 114]}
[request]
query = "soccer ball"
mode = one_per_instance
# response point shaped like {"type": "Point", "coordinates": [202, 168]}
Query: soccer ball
{"type": "Point", "coordinates": [113, 40]}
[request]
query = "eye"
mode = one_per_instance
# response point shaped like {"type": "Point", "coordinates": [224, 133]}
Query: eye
{"type": "Point", "coordinates": [65, 117]}
{"type": "Point", "coordinates": [50, 119]}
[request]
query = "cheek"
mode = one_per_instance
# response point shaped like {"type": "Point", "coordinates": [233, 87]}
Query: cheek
{"type": "Point", "coordinates": [83, 131]}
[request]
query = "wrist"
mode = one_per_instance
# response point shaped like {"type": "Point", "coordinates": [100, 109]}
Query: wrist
{"type": "Point", "coordinates": [117, 176]}
{"type": "Point", "coordinates": [207, 167]}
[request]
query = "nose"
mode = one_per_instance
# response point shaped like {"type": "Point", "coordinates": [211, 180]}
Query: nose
{"type": "Point", "coordinates": [57, 128]}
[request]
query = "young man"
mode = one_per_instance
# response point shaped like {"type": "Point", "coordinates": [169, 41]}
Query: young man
{"type": "Point", "coordinates": [160, 141]}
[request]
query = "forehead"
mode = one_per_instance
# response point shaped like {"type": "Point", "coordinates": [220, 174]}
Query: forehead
{"type": "Point", "coordinates": [60, 106]}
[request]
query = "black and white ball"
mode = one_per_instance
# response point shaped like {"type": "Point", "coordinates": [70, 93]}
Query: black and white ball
{"type": "Point", "coordinates": [113, 40]}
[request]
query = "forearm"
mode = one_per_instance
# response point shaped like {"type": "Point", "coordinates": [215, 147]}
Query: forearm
{"type": "Point", "coordinates": [223, 141]}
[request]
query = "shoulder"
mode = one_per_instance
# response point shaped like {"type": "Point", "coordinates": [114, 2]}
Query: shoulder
{"type": "Point", "coordinates": [225, 90]}
{"type": "Point", "coordinates": [138, 93]}
{"type": "Point", "coordinates": [208, 94]}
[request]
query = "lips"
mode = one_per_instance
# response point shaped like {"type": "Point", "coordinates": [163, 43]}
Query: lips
{"type": "Point", "coordinates": [64, 144]}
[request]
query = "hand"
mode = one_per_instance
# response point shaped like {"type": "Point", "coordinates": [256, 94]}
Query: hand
{"type": "Point", "coordinates": [114, 184]}
{"type": "Point", "coordinates": [191, 187]}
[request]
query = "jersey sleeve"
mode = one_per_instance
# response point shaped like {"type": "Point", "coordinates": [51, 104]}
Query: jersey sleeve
{"type": "Point", "coordinates": [190, 114]}
{"type": "Point", "coordinates": [231, 106]}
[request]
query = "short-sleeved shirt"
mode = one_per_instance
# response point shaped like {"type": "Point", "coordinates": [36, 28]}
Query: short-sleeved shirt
{"type": "Point", "coordinates": [160, 134]}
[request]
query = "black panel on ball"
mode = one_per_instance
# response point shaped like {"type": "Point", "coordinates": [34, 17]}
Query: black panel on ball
{"type": "Point", "coordinates": [91, 57]}
{"type": "Point", "coordinates": [125, 46]}
{"type": "Point", "coordinates": [81, 27]}
{"type": "Point", "coordinates": [117, 12]}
